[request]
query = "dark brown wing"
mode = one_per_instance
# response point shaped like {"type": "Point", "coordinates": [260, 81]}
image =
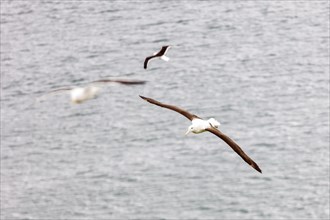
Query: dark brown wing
{"type": "Point", "coordinates": [172, 107]}
{"type": "Point", "coordinates": [235, 147]}
{"type": "Point", "coordinates": [147, 60]}
{"type": "Point", "coordinates": [121, 81]}
{"type": "Point", "coordinates": [162, 51]}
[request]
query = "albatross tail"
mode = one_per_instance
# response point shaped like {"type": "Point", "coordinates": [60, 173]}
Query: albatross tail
{"type": "Point", "coordinates": [165, 58]}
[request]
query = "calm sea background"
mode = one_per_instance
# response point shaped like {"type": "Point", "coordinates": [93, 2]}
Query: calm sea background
{"type": "Point", "coordinates": [259, 67]}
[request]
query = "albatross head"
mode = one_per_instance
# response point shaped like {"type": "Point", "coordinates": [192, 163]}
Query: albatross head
{"type": "Point", "coordinates": [190, 129]}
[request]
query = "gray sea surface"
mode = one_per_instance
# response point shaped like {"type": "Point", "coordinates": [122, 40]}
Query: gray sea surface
{"type": "Point", "coordinates": [259, 67]}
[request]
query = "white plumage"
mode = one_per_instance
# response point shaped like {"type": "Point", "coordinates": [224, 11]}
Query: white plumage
{"type": "Point", "coordinates": [81, 94]}
{"type": "Point", "coordinates": [199, 125]}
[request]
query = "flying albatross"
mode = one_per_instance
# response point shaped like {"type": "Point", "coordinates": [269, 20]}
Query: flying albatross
{"type": "Point", "coordinates": [160, 54]}
{"type": "Point", "coordinates": [81, 94]}
{"type": "Point", "coordinates": [199, 125]}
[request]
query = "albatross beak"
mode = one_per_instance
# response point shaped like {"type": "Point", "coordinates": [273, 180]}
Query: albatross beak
{"type": "Point", "coordinates": [187, 132]}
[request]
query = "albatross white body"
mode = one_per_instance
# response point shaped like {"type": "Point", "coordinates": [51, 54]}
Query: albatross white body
{"type": "Point", "coordinates": [200, 125]}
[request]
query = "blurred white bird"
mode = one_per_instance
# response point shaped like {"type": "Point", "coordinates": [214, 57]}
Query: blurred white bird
{"type": "Point", "coordinates": [81, 94]}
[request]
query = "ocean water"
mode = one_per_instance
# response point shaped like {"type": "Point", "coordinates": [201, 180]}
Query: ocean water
{"type": "Point", "coordinates": [259, 67]}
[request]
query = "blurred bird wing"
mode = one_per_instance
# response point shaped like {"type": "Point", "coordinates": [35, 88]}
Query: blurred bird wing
{"type": "Point", "coordinates": [54, 92]}
{"type": "Point", "coordinates": [117, 81]}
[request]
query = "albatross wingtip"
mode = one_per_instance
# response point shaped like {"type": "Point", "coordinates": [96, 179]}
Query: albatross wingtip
{"type": "Point", "coordinates": [256, 167]}
{"type": "Point", "coordinates": [148, 99]}
{"type": "Point", "coordinates": [142, 97]}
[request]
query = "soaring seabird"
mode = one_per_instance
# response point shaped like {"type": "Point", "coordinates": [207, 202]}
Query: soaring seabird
{"type": "Point", "coordinates": [199, 125]}
{"type": "Point", "coordinates": [83, 93]}
{"type": "Point", "coordinates": [160, 54]}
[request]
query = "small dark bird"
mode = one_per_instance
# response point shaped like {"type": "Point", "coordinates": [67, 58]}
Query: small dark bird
{"type": "Point", "coordinates": [199, 125]}
{"type": "Point", "coordinates": [160, 54]}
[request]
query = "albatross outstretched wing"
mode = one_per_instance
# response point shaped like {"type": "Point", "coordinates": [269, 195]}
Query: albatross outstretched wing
{"type": "Point", "coordinates": [53, 92]}
{"type": "Point", "coordinates": [146, 61]}
{"type": "Point", "coordinates": [163, 51]}
{"type": "Point", "coordinates": [172, 107]}
{"type": "Point", "coordinates": [60, 90]}
{"type": "Point", "coordinates": [121, 81]}
{"type": "Point", "coordinates": [235, 147]}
